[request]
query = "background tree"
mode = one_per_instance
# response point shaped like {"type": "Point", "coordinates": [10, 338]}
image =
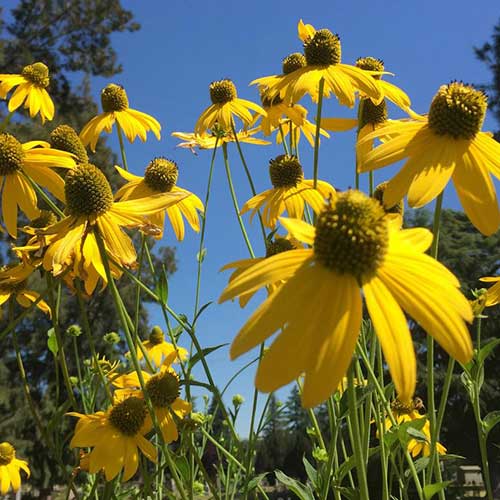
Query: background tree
{"type": "Point", "coordinates": [72, 38]}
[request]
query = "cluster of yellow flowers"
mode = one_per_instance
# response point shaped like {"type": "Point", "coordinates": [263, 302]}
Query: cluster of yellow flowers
{"type": "Point", "coordinates": [353, 248]}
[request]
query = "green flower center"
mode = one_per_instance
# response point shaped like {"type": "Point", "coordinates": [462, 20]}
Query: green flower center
{"type": "Point", "coordinates": [222, 91]}
{"type": "Point", "coordinates": [7, 453]}
{"type": "Point", "coordinates": [372, 114]}
{"type": "Point", "coordinates": [352, 236]}
{"type": "Point", "coordinates": [65, 138]}
{"type": "Point", "coordinates": [161, 175]}
{"type": "Point", "coordinates": [128, 416]}
{"type": "Point", "coordinates": [293, 62]}
{"type": "Point", "coordinates": [163, 389]}
{"type": "Point", "coordinates": [279, 245]}
{"type": "Point", "coordinates": [378, 194]}
{"type": "Point", "coordinates": [45, 219]}
{"type": "Point", "coordinates": [457, 110]}
{"type": "Point", "coordinates": [11, 154]}
{"type": "Point", "coordinates": [285, 171]}
{"type": "Point", "coordinates": [156, 336]}
{"type": "Point", "coordinates": [114, 98]}
{"type": "Point", "coordinates": [371, 64]}
{"type": "Point", "coordinates": [87, 190]}
{"type": "Point", "coordinates": [323, 49]}
{"type": "Point", "coordinates": [37, 73]}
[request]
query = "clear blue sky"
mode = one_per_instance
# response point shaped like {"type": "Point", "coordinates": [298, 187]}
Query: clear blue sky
{"type": "Point", "coordinates": [184, 45]}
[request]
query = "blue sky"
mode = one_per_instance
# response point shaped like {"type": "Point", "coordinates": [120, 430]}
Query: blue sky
{"type": "Point", "coordinates": [184, 45]}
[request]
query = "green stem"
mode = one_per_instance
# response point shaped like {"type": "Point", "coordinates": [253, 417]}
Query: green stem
{"type": "Point", "coordinates": [431, 404]}
{"type": "Point", "coordinates": [88, 333]}
{"type": "Point", "coordinates": [318, 128]}
{"type": "Point", "coordinates": [61, 356]}
{"type": "Point", "coordinates": [235, 201]}
{"type": "Point", "coordinates": [42, 193]}
{"type": "Point", "coordinates": [122, 146]}
{"type": "Point", "coordinates": [202, 232]}
{"type": "Point", "coordinates": [249, 177]}
{"type": "Point", "coordinates": [283, 139]}
{"type": "Point", "coordinates": [356, 441]}
{"type": "Point", "coordinates": [133, 355]}
{"type": "Point", "coordinates": [387, 407]}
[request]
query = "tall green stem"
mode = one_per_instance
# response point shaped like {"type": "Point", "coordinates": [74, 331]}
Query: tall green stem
{"type": "Point", "coordinates": [318, 129]}
{"type": "Point", "coordinates": [431, 405]}
{"type": "Point", "coordinates": [122, 146]}
{"type": "Point", "coordinates": [356, 438]}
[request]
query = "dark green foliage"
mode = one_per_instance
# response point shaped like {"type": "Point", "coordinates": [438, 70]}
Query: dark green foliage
{"type": "Point", "coordinates": [68, 38]}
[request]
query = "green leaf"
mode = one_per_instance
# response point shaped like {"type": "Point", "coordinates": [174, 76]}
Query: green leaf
{"type": "Point", "coordinates": [492, 419]}
{"type": "Point", "coordinates": [202, 308]}
{"type": "Point", "coordinates": [200, 256]}
{"type": "Point", "coordinates": [486, 350]}
{"type": "Point", "coordinates": [253, 483]}
{"type": "Point", "coordinates": [311, 472]}
{"type": "Point", "coordinates": [411, 430]}
{"type": "Point", "coordinates": [194, 359]}
{"type": "Point", "coordinates": [162, 287]}
{"type": "Point", "coordinates": [52, 342]}
{"type": "Point", "coordinates": [431, 489]}
{"type": "Point", "coordinates": [302, 491]}
{"type": "Point", "coordinates": [182, 466]}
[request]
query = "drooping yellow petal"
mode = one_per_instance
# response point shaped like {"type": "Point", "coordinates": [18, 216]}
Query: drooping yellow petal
{"type": "Point", "coordinates": [394, 336]}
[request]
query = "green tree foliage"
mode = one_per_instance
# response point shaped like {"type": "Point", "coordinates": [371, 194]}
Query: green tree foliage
{"type": "Point", "coordinates": [73, 39]}
{"type": "Point", "coordinates": [470, 255]}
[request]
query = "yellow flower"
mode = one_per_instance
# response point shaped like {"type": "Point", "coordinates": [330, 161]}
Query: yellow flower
{"type": "Point", "coordinates": [447, 143]}
{"type": "Point", "coordinates": [322, 52]}
{"type": "Point", "coordinates": [90, 207]}
{"type": "Point", "coordinates": [272, 248]}
{"type": "Point", "coordinates": [219, 137]}
{"type": "Point", "coordinates": [114, 103]}
{"type": "Point", "coordinates": [13, 283]}
{"type": "Point", "coordinates": [9, 468]}
{"type": "Point", "coordinates": [163, 388]}
{"type": "Point", "coordinates": [290, 192]}
{"type": "Point", "coordinates": [33, 159]}
{"type": "Point", "coordinates": [115, 436]}
{"type": "Point", "coordinates": [159, 350]}
{"type": "Point", "coordinates": [161, 178]}
{"type": "Point", "coordinates": [355, 253]}
{"type": "Point", "coordinates": [308, 129]}
{"type": "Point", "coordinates": [407, 413]}
{"type": "Point", "coordinates": [493, 293]}
{"type": "Point", "coordinates": [371, 116]}
{"type": "Point", "coordinates": [225, 104]}
{"type": "Point", "coordinates": [31, 85]}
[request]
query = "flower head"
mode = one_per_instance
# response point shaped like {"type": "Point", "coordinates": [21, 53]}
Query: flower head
{"type": "Point", "coordinates": [217, 138]}
{"type": "Point", "coordinates": [18, 164]}
{"type": "Point", "coordinates": [493, 293]}
{"type": "Point", "coordinates": [115, 436]}
{"type": "Point", "coordinates": [114, 101]}
{"type": "Point", "coordinates": [356, 252]}
{"type": "Point", "coordinates": [65, 138]}
{"type": "Point", "coordinates": [31, 90]}
{"type": "Point", "coordinates": [160, 177]}
{"type": "Point", "coordinates": [163, 388]}
{"type": "Point", "coordinates": [159, 350]}
{"type": "Point", "coordinates": [225, 104]}
{"type": "Point", "coordinates": [92, 213]}
{"type": "Point", "coordinates": [447, 143]}
{"type": "Point", "coordinates": [9, 468]}
{"type": "Point", "coordinates": [290, 192]}
{"type": "Point", "coordinates": [409, 412]}
{"type": "Point", "coordinates": [322, 52]}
